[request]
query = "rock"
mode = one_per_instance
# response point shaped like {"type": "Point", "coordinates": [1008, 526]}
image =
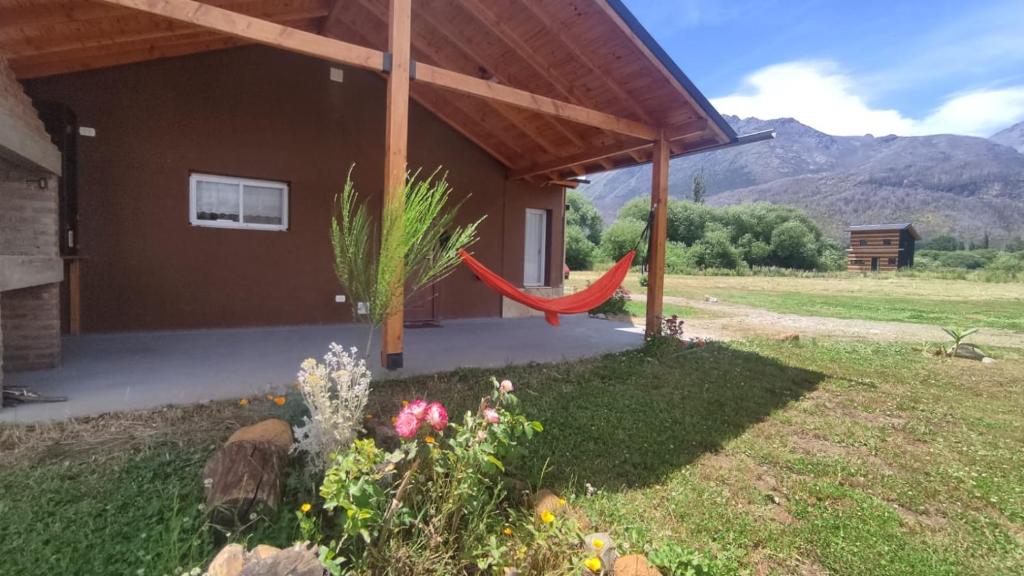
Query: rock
{"type": "Point", "coordinates": [274, 430]}
{"type": "Point", "coordinates": [262, 551]}
{"type": "Point", "coordinates": [710, 299]}
{"type": "Point", "coordinates": [227, 562]}
{"type": "Point", "coordinates": [969, 352]}
{"type": "Point", "coordinates": [546, 501]}
{"type": "Point", "coordinates": [299, 560]}
{"type": "Point", "coordinates": [634, 565]}
{"type": "Point", "coordinates": [987, 360]}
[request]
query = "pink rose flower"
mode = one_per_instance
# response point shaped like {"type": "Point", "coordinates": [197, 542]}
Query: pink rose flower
{"type": "Point", "coordinates": [437, 416]}
{"type": "Point", "coordinates": [506, 386]}
{"type": "Point", "coordinates": [491, 415]}
{"type": "Point", "coordinates": [417, 408]}
{"type": "Point", "coordinates": [406, 425]}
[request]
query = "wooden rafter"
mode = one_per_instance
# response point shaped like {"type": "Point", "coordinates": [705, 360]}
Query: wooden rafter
{"type": "Point", "coordinates": [655, 61]}
{"type": "Point", "coordinates": [569, 46]}
{"type": "Point", "coordinates": [258, 30]}
{"type": "Point", "coordinates": [682, 134]}
{"type": "Point", "coordinates": [138, 26]}
{"type": "Point", "coordinates": [466, 84]}
{"type": "Point", "coordinates": [493, 68]}
{"type": "Point", "coordinates": [269, 33]}
{"type": "Point", "coordinates": [455, 117]}
{"type": "Point", "coordinates": [514, 117]}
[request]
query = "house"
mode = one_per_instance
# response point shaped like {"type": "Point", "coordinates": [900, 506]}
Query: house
{"type": "Point", "coordinates": [881, 247]}
{"type": "Point", "coordinates": [202, 145]}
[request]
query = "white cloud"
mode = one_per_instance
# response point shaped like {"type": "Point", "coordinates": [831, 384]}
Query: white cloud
{"type": "Point", "coordinates": [818, 94]}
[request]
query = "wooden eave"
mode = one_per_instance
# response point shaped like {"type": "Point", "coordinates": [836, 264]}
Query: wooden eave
{"type": "Point", "coordinates": [551, 89]}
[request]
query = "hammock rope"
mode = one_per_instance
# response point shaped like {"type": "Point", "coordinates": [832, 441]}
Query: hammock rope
{"type": "Point", "coordinates": [587, 299]}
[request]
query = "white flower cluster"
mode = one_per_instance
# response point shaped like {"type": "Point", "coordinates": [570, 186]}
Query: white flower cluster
{"type": "Point", "coordinates": [335, 393]}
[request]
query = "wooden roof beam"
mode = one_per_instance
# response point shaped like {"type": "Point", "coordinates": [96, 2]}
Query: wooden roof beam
{"type": "Point", "coordinates": [465, 84]}
{"type": "Point", "coordinates": [260, 31]}
{"type": "Point", "coordinates": [683, 133]}
{"type": "Point", "coordinates": [276, 35]}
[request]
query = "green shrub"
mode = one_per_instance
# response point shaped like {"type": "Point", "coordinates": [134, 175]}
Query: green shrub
{"type": "Point", "coordinates": [579, 251]}
{"type": "Point", "coordinates": [621, 237]}
{"type": "Point", "coordinates": [441, 499]}
{"type": "Point", "coordinates": [583, 214]}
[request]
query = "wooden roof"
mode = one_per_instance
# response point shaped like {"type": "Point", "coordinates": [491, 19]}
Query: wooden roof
{"type": "Point", "coordinates": [591, 53]}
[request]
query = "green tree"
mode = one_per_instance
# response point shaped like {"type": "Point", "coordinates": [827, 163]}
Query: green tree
{"type": "Point", "coordinates": [583, 214]}
{"type": "Point", "coordinates": [793, 246]}
{"type": "Point", "coordinates": [579, 250]}
{"type": "Point", "coordinates": [686, 221]}
{"type": "Point", "coordinates": [621, 237]}
{"type": "Point", "coordinates": [698, 187]}
{"type": "Point", "coordinates": [715, 250]}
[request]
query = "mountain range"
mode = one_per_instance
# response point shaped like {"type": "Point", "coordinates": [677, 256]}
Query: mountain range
{"type": "Point", "coordinates": [944, 184]}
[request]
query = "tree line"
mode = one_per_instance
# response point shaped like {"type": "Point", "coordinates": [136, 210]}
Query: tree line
{"type": "Point", "coordinates": [702, 237]}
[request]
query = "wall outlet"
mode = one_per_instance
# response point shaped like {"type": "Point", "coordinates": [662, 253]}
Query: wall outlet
{"type": "Point", "coordinates": [337, 75]}
{"type": "Point", "coordinates": [340, 298]}
{"type": "Point", "coordinates": [87, 131]}
{"type": "Point", "coordinates": [362, 308]}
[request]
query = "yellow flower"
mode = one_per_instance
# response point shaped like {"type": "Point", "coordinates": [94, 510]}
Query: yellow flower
{"type": "Point", "coordinates": [405, 403]}
{"type": "Point", "coordinates": [507, 531]}
{"type": "Point", "coordinates": [429, 440]}
{"type": "Point", "coordinates": [593, 564]}
{"type": "Point", "coordinates": [243, 402]}
{"type": "Point", "coordinates": [306, 507]}
{"type": "Point", "coordinates": [394, 419]}
{"type": "Point", "coordinates": [561, 501]}
{"type": "Point", "coordinates": [597, 543]}
{"type": "Point", "coordinates": [280, 400]}
{"type": "Point", "coordinates": [547, 517]}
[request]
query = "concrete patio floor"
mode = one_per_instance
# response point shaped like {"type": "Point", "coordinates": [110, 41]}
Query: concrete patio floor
{"type": "Point", "coordinates": [111, 372]}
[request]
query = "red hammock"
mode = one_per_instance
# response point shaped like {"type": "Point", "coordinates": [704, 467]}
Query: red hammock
{"type": "Point", "coordinates": [587, 299]}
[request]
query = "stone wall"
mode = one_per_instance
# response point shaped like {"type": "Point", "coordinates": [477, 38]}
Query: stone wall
{"type": "Point", "coordinates": [30, 265]}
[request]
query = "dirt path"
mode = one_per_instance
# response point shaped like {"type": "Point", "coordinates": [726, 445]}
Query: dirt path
{"type": "Point", "coordinates": [731, 321]}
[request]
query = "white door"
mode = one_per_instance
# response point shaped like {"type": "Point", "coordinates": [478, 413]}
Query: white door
{"type": "Point", "coordinates": [534, 261]}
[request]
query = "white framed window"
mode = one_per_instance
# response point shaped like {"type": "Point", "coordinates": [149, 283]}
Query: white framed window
{"type": "Point", "coordinates": [535, 252]}
{"type": "Point", "coordinates": [230, 202]}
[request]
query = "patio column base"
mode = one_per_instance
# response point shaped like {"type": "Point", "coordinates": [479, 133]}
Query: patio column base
{"type": "Point", "coordinates": [394, 361]}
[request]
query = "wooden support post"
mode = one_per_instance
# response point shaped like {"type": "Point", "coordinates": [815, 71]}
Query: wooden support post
{"type": "Point", "coordinates": [659, 234]}
{"type": "Point", "coordinates": [396, 145]}
{"type": "Point", "coordinates": [74, 297]}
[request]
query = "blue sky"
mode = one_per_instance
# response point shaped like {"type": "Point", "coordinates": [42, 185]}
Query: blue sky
{"type": "Point", "coordinates": [854, 66]}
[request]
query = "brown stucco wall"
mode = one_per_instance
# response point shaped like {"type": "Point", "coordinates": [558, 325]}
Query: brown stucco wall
{"type": "Point", "coordinates": [267, 114]}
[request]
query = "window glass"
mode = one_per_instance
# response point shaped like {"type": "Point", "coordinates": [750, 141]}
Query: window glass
{"type": "Point", "coordinates": [217, 201]}
{"type": "Point", "coordinates": [232, 202]}
{"type": "Point", "coordinates": [262, 205]}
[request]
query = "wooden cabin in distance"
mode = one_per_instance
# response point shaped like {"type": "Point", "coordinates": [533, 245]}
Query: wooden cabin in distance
{"type": "Point", "coordinates": [881, 247]}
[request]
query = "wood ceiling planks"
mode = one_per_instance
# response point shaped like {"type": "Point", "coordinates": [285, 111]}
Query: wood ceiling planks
{"type": "Point", "coordinates": [580, 53]}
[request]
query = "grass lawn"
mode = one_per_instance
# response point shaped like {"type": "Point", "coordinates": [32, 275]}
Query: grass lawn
{"type": "Point", "coordinates": [945, 303]}
{"type": "Point", "coordinates": [763, 456]}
